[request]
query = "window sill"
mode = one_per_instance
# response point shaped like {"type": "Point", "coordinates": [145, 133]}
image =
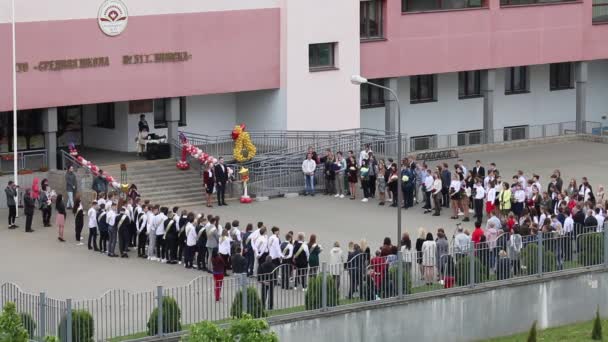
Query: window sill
{"type": "Point", "coordinates": [558, 89]}
{"type": "Point", "coordinates": [543, 4]}
{"type": "Point", "coordinates": [469, 96]}
{"type": "Point", "coordinates": [423, 101]}
{"type": "Point", "coordinates": [320, 69]}
{"type": "Point", "coordinates": [375, 105]}
{"type": "Point", "coordinates": [373, 40]}
{"type": "Point", "coordinates": [446, 10]}
{"type": "Point", "coordinates": [517, 92]}
{"type": "Point", "coordinates": [106, 127]}
{"type": "Point", "coordinates": [600, 22]}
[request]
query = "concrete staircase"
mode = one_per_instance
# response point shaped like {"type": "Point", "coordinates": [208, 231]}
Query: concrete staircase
{"type": "Point", "coordinates": [162, 183]}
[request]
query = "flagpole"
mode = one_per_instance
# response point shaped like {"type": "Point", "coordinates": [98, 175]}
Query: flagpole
{"type": "Point", "coordinates": [15, 154]}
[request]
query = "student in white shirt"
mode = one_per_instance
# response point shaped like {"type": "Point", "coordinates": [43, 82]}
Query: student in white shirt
{"type": "Point", "coordinates": [569, 232]}
{"type": "Point", "coordinates": [454, 191]}
{"type": "Point", "coordinates": [308, 168]}
{"type": "Point", "coordinates": [428, 187]}
{"type": "Point", "coordinates": [92, 214]}
{"type": "Point", "coordinates": [436, 193]}
{"type": "Point", "coordinates": [600, 220]}
{"type": "Point", "coordinates": [274, 247]}
{"type": "Point", "coordinates": [520, 199]}
{"type": "Point", "coordinates": [261, 246]}
{"type": "Point", "coordinates": [490, 198]}
{"type": "Point", "coordinates": [159, 225]}
{"type": "Point", "coordinates": [142, 233]}
{"type": "Point", "coordinates": [224, 249]}
{"type": "Point", "coordinates": [480, 194]}
{"type": "Point", "coordinates": [191, 238]}
{"type": "Point", "coordinates": [151, 228]}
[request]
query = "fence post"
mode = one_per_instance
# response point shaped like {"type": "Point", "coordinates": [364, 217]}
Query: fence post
{"type": "Point", "coordinates": [159, 306]}
{"type": "Point", "coordinates": [400, 274]}
{"type": "Point", "coordinates": [68, 320]}
{"type": "Point", "coordinates": [324, 286]}
{"type": "Point", "coordinates": [42, 316]}
{"type": "Point", "coordinates": [540, 254]}
{"type": "Point", "coordinates": [472, 264]}
{"type": "Point", "coordinates": [605, 246]}
{"type": "Point", "coordinates": [244, 292]}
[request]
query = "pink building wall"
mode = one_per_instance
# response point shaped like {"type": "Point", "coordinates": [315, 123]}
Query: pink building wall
{"type": "Point", "coordinates": [493, 37]}
{"type": "Point", "coordinates": [231, 51]}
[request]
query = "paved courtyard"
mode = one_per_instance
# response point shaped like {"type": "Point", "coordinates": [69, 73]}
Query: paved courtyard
{"type": "Point", "coordinates": [38, 262]}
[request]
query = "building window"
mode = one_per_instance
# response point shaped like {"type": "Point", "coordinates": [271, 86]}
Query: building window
{"type": "Point", "coordinates": [561, 76]}
{"type": "Point", "coordinates": [372, 96]}
{"type": "Point", "coordinates": [424, 142]}
{"type": "Point", "coordinates": [30, 135]}
{"type": "Point", "coordinates": [466, 138]}
{"type": "Point", "coordinates": [370, 19]}
{"type": "Point", "coordinates": [469, 84]}
{"type": "Point", "coordinates": [422, 88]}
{"type": "Point", "coordinates": [321, 56]}
{"type": "Point", "coordinates": [435, 5]}
{"type": "Point", "coordinates": [600, 11]}
{"type": "Point", "coordinates": [105, 115]}
{"type": "Point", "coordinates": [516, 80]}
{"type": "Point", "coordinates": [529, 2]}
{"type": "Point", "coordinates": [69, 125]}
{"type": "Point", "coordinates": [515, 133]}
{"type": "Point", "coordinates": [161, 112]}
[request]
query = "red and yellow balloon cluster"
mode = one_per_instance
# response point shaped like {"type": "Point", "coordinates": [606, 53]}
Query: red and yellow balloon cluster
{"type": "Point", "coordinates": [242, 141]}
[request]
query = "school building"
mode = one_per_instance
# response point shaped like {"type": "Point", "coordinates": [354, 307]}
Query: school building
{"type": "Point", "coordinates": [477, 70]}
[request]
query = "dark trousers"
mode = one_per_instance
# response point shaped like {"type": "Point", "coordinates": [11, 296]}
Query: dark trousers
{"type": "Point", "coordinates": [301, 276]}
{"type": "Point", "coordinates": [171, 249]}
{"type": "Point", "coordinates": [427, 200]}
{"type": "Point", "coordinates": [437, 200]}
{"type": "Point", "coordinates": [371, 185]}
{"type": "Point", "coordinates": [395, 195]}
{"type": "Point", "coordinates": [268, 293]}
{"type": "Point", "coordinates": [250, 258]}
{"type": "Point", "coordinates": [446, 197]}
{"type": "Point", "coordinates": [568, 246]}
{"type": "Point", "coordinates": [408, 197]}
{"type": "Point", "coordinates": [12, 214]}
{"type": "Point", "coordinates": [124, 238]}
{"type": "Point", "coordinates": [113, 232]}
{"type": "Point", "coordinates": [28, 222]}
{"type": "Point", "coordinates": [201, 257]}
{"type": "Point", "coordinates": [132, 235]}
{"type": "Point", "coordinates": [285, 274]}
{"type": "Point", "coordinates": [161, 247]}
{"type": "Point", "coordinates": [92, 238]}
{"type": "Point", "coordinates": [479, 209]}
{"type": "Point", "coordinates": [103, 240]}
{"type": "Point", "coordinates": [46, 216]}
{"type": "Point", "coordinates": [181, 250]}
{"type": "Point", "coordinates": [189, 256]}
{"type": "Point", "coordinates": [365, 187]}
{"type": "Point", "coordinates": [78, 230]}
{"type": "Point", "coordinates": [221, 190]}
{"type": "Point", "coordinates": [141, 243]}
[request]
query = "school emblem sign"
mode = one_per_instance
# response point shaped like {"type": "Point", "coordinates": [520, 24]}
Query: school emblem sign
{"type": "Point", "coordinates": [112, 17]}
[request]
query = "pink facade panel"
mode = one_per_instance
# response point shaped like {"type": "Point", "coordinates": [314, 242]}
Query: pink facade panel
{"type": "Point", "coordinates": [217, 52]}
{"type": "Point", "coordinates": [493, 37]}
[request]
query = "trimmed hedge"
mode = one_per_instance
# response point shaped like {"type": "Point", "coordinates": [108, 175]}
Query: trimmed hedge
{"type": "Point", "coordinates": [29, 323]}
{"type": "Point", "coordinates": [83, 326]}
{"type": "Point", "coordinates": [171, 318]}
{"type": "Point", "coordinates": [314, 296]}
{"type": "Point", "coordinates": [391, 288]}
{"type": "Point", "coordinates": [463, 271]}
{"type": "Point", "coordinates": [255, 307]}
{"type": "Point", "coordinates": [529, 258]}
{"type": "Point", "coordinates": [592, 249]}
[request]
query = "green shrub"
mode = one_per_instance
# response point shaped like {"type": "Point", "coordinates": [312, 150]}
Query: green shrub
{"type": "Point", "coordinates": [255, 306]}
{"type": "Point", "coordinates": [83, 326]}
{"type": "Point", "coordinates": [51, 339]}
{"type": "Point", "coordinates": [532, 333]}
{"type": "Point", "coordinates": [592, 249]}
{"type": "Point", "coordinates": [529, 258]}
{"type": "Point", "coordinates": [314, 296]}
{"type": "Point", "coordinates": [596, 333]}
{"type": "Point", "coordinates": [391, 288]}
{"type": "Point", "coordinates": [171, 318]}
{"type": "Point", "coordinates": [463, 271]}
{"type": "Point", "coordinates": [11, 328]}
{"type": "Point", "coordinates": [245, 329]}
{"type": "Point", "coordinates": [28, 323]}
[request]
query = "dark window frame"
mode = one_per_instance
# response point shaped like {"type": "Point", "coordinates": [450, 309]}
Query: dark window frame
{"type": "Point", "coordinates": [533, 2]}
{"type": "Point", "coordinates": [561, 76]}
{"type": "Point", "coordinates": [157, 122]}
{"type": "Point", "coordinates": [526, 133]}
{"type": "Point", "coordinates": [372, 94]}
{"type": "Point", "coordinates": [510, 80]}
{"type": "Point", "coordinates": [439, 6]}
{"type": "Point", "coordinates": [430, 138]}
{"type": "Point", "coordinates": [416, 82]}
{"type": "Point", "coordinates": [183, 118]}
{"type": "Point", "coordinates": [314, 52]}
{"type": "Point", "coordinates": [463, 79]}
{"type": "Point", "coordinates": [106, 118]}
{"type": "Point", "coordinates": [364, 9]}
{"type": "Point", "coordinates": [469, 133]}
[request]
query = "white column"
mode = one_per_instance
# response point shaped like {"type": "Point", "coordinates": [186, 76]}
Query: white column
{"type": "Point", "coordinates": [581, 95]}
{"type": "Point", "coordinates": [49, 127]}
{"type": "Point", "coordinates": [488, 84]}
{"type": "Point", "coordinates": [173, 113]}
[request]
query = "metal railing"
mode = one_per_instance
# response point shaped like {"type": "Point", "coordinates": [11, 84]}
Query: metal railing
{"type": "Point", "coordinates": [295, 286]}
{"type": "Point", "coordinates": [26, 160]}
{"type": "Point", "coordinates": [600, 11]}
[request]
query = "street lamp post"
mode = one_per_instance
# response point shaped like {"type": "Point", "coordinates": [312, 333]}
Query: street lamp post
{"type": "Point", "coordinates": [359, 80]}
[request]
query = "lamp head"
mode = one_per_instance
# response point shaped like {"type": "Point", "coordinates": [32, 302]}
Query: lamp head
{"type": "Point", "coordinates": [358, 80]}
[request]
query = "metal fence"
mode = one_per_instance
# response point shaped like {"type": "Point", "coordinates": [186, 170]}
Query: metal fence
{"type": "Point", "coordinates": [26, 160]}
{"type": "Point", "coordinates": [360, 276]}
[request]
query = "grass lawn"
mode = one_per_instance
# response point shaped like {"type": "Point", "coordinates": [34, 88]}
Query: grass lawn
{"type": "Point", "coordinates": [579, 332]}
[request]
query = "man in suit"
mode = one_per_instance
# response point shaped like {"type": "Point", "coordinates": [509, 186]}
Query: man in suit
{"type": "Point", "coordinates": [221, 178]}
{"type": "Point", "coordinates": [478, 170]}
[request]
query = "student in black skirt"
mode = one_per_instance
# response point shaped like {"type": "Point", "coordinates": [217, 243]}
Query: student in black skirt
{"type": "Point", "coordinates": [78, 219]}
{"type": "Point", "coordinates": [209, 182]}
